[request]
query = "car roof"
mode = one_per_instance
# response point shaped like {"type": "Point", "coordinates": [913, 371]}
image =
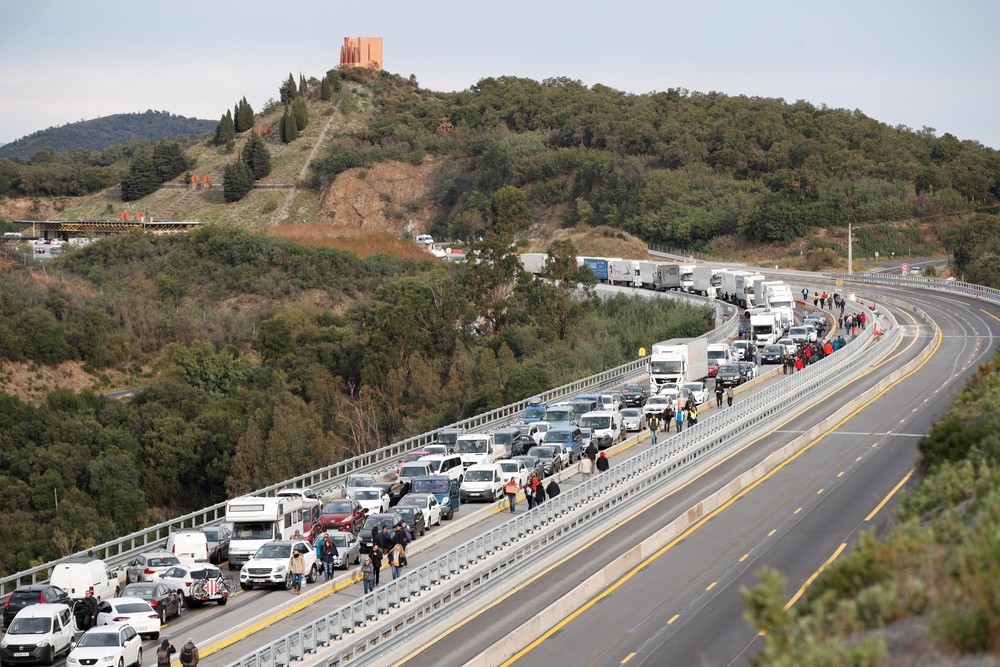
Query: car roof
{"type": "Point", "coordinates": [563, 429]}
{"type": "Point", "coordinates": [125, 598]}
{"type": "Point", "coordinates": [42, 610]}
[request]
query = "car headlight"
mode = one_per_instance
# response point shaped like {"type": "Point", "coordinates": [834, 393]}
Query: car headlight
{"type": "Point", "coordinates": [446, 501]}
{"type": "Point", "coordinates": [3, 642]}
{"type": "Point", "coordinates": [43, 643]}
{"type": "Point", "coordinates": [70, 660]}
{"type": "Point", "coordinates": [279, 569]}
{"type": "Point", "coordinates": [108, 659]}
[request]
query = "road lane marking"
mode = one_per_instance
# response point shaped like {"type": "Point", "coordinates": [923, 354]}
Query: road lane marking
{"type": "Point", "coordinates": [889, 495]}
{"type": "Point", "coordinates": [808, 582]}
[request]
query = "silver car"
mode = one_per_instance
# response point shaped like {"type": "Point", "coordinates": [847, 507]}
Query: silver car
{"type": "Point", "coordinates": [146, 566]}
{"type": "Point", "coordinates": [633, 419]}
{"type": "Point", "coordinates": [348, 548]}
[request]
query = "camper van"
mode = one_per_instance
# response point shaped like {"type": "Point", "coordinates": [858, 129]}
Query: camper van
{"type": "Point", "coordinates": [257, 520]}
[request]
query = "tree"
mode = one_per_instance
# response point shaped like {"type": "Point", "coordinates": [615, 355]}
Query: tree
{"type": "Point", "coordinates": [237, 181]}
{"type": "Point", "coordinates": [325, 89]}
{"type": "Point", "coordinates": [257, 157]}
{"type": "Point", "coordinates": [288, 92]}
{"type": "Point", "coordinates": [225, 131]}
{"type": "Point", "coordinates": [273, 339]}
{"type": "Point", "coordinates": [244, 116]}
{"type": "Point", "coordinates": [303, 87]}
{"type": "Point", "coordinates": [289, 130]}
{"type": "Point", "coordinates": [509, 210]}
{"type": "Point", "coordinates": [301, 114]}
{"type": "Point", "coordinates": [169, 160]}
{"type": "Point", "coordinates": [491, 278]}
{"type": "Point", "coordinates": [141, 179]}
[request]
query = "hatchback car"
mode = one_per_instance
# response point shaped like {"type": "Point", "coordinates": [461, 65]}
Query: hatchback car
{"type": "Point", "coordinates": [373, 500]}
{"type": "Point", "coordinates": [160, 597]}
{"type": "Point", "coordinates": [107, 645]}
{"type": "Point", "coordinates": [633, 419]}
{"type": "Point", "coordinates": [182, 578]}
{"type": "Point", "coordinates": [550, 457]}
{"type": "Point", "coordinates": [376, 521]}
{"type": "Point", "coordinates": [788, 346]}
{"type": "Point", "coordinates": [348, 548]}
{"type": "Point", "coordinates": [135, 611]}
{"type": "Point", "coordinates": [426, 503]}
{"type": "Point", "coordinates": [802, 334]}
{"type": "Point", "coordinates": [533, 465]}
{"type": "Point", "coordinates": [146, 566]}
{"type": "Point", "coordinates": [32, 594]}
{"type": "Point", "coordinates": [413, 518]}
{"type": "Point", "coordinates": [657, 405]}
{"type": "Point", "coordinates": [345, 514]}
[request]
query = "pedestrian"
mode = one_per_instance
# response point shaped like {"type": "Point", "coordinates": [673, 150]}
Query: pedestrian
{"type": "Point", "coordinates": [189, 654]}
{"type": "Point", "coordinates": [692, 415]}
{"type": "Point", "coordinates": [329, 553]}
{"type": "Point", "coordinates": [603, 463]}
{"type": "Point", "coordinates": [842, 305]}
{"type": "Point", "coordinates": [653, 423]}
{"type": "Point", "coordinates": [805, 295]}
{"type": "Point", "coordinates": [385, 539]}
{"type": "Point", "coordinates": [552, 490]}
{"type": "Point", "coordinates": [368, 575]}
{"type": "Point", "coordinates": [799, 364]}
{"type": "Point", "coordinates": [679, 419]}
{"type": "Point", "coordinates": [376, 557]}
{"type": "Point", "coordinates": [86, 611]}
{"type": "Point", "coordinates": [586, 467]}
{"type": "Point", "coordinates": [163, 653]}
{"type": "Point", "coordinates": [668, 418]}
{"type": "Point", "coordinates": [864, 320]}
{"type": "Point", "coordinates": [539, 492]}
{"type": "Point", "coordinates": [397, 560]}
{"type": "Point", "coordinates": [298, 570]}
{"type": "Point", "coordinates": [739, 331]}
{"type": "Point", "coordinates": [296, 536]}
{"type": "Point", "coordinates": [591, 452]}
{"type": "Point", "coordinates": [529, 495]}
{"type": "Point", "coordinates": [815, 299]}
{"type": "Point", "coordinates": [511, 489]}
{"type": "Point", "coordinates": [729, 396]}
{"type": "Point", "coordinates": [719, 391]}
{"type": "Point", "coordinates": [399, 535]}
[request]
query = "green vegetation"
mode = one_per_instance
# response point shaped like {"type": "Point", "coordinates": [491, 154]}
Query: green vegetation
{"type": "Point", "coordinates": [147, 173]}
{"type": "Point", "coordinates": [939, 562]}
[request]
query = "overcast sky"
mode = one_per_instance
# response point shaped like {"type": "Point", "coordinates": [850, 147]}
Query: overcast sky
{"type": "Point", "coordinates": [904, 62]}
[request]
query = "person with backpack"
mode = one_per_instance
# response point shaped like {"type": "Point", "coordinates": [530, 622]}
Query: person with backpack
{"type": "Point", "coordinates": [719, 391]}
{"type": "Point", "coordinates": [602, 463]}
{"type": "Point", "coordinates": [679, 419]}
{"type": "Point", "coordinates": [163, 653]}
{"type": "Point", "coordinates": [189, 654]}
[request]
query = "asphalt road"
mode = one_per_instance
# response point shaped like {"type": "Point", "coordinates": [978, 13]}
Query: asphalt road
{"type": "Point", "coordinates": [685, 606]}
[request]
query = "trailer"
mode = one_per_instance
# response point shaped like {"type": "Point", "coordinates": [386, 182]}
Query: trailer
{"type": "Point", "coordinates": [731, 284]}
{"type": "Point", "coordinates": [669, 276]}
{"type": "Point", "coordinates": [706, 281]}
{"type": "Point", "coordinates": [746, 297]}
{"type": "Point", "coordinates": [599, 265]}
{"type": "Point", "coordinates": [534, 262]}
{"type": "Point", "coordinates": [624, 272]}
{"type": "Point", "coordinates": [647, 275]}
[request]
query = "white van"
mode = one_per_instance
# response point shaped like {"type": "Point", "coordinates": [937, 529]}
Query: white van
{"type": "Point", "coordinates": [39, 633]}
{"type": "Point", "coordinates": [604, 423]}
{"type": "Point", "coordinates": [76, 575]}
{"type": "Point", "coordinates": [424, 239]}
{"type": "Point", "coordinates": [483, 481]}
{"type": "Point", "coordinates": [190, 546]}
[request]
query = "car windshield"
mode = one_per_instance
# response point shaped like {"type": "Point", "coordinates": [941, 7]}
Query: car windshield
{"type": "Point", "coordinates": [657, 400]}
{"type": "Point", "coordinates": [431, 485]}
{"type": "Point", "coordinates": [631, 412]}
{"type": "Point", "coordinates": [479, 475]}
{"type": "Point", "coordinates": [355, 481]}
{"type": "Point", "coordinates": [29, 626]}
{"type": "Point", "coordinates": [471, 447]}
{"type": "Point", "coordinates": [434, 464]}
{"type": "Point", "coordinates": [541, 452]}
{"type": "Point", "coordinates": [163, 561]}
{"type": "Point", "coordinates": [692, 386]}
{"type": "Point", "coordinates": [729, 368]}
{"type": "Point", "coordinates": [139, 591]}
{"type": "Point", "coordinates": [339, 541]}
{"type": "Point", "coordinates": [99, 639]}
{"type": "Point", "coordinates": [338, 507]}
{"type": "Point", "coordinates": [448, 437]}
{"type": "Point", "coordinates": [601, 422]}
{"type": "Point", "coordinates": [367, 494]}
{"type": "Point", "coordinates": [508, 466]}
{"type": "Point", "coordinates": [534, 412]}
{"type": "Point", "coordinates": [772, 349]}
{"type": "Point", "coordinates": [632, 388]}
{"type": "Point", "coordinates": [273, 551]}
{"type": "Point", "coordinates": [412, 471]}
{"type": "Point", "coordinates": [558, 436]}
{"type": "Point", "coordinates": [133, 608]}
{"type": "Point", "coordinates": [254, 530]}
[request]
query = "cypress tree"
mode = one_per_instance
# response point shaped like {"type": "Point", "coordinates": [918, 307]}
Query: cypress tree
{"type": "Point", "coordinates": [257, 157]}
{"type": "Point", "coordinates": [301, 113]}
{"type": "Point", "coordinates": [141, 179]}
{"type": "Point", "coordinates": [288, 92]}
{"type": "Point", "coordinates": [169, 160]}
{"type": "Point", "coordinates": [225, 131]}
{"type": "Point", "coordinates": [289, 130]}
{"type": "Point", "coordinates": [236, 117]}
{"type": "Point", "coordinates": [325, 90]}
{"type": "Point", "coordinates": [245, 121]}
{"type": "Point", "coordinates": [303, 86]}
{"type": "Point", "coordinates": [237, 181]}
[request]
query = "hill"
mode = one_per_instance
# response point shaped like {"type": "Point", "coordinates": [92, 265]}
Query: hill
{"type": "Point", "coordinates": [100, 133]}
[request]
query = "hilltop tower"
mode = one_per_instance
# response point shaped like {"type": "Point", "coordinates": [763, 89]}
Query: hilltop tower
{"type": "Point", "coordinates": [361, 52]}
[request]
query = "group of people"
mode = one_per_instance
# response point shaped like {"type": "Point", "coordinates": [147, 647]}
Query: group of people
{"type": "Point", "coordinates": [686, 412]}
{"type": "Point", "coordinates": [189, 653]}
{"type": "Point", "coordinates": [826, 300]}
{"type": "Point", "coordinates": [385, 546]}
{"type": "Point", "coordinates": [852, 322]}
{"type": "Point", "coordinates": [809, 353]}
{"type": "Point", "coordinates": [721, 391]}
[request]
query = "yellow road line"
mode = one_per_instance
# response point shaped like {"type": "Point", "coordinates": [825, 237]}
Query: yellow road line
{"type": "Point", "coordinates": [906, 478]}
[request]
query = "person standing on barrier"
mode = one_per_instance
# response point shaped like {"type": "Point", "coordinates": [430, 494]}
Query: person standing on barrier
{"type": "Point", "coordinates": [603, 464]}
{"type": "Point", "coordinates": [368, 575]}
{"type": "Point", "coordinates": [729, 396]}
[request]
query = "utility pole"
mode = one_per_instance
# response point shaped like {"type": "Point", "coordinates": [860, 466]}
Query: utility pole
{"type": "Point", "coordinates": [850, 250]}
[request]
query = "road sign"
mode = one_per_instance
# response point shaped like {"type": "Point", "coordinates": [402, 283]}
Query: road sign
{"type": "Point", "coordinates": [904, 267]}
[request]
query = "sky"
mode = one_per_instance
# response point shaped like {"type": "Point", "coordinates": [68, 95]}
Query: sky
{"type": "Point", "coordinates": [916, 63]}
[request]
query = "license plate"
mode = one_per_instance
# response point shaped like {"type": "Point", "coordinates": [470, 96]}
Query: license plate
{"type": "Point", "coordinates": [21, 655]}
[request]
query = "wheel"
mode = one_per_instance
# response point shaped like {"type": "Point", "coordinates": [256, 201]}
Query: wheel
{"type": "Point", "coordinates": [178, 614]}
{"type": "Point", "coordinates": [222, 601]}
{"type": "Point", "coordinates": [51, 657]}
{"type": "Point", "coordinates": [163, 614]}
{"type": "Point", "coordinates": [153, 635]}
{"type": "Point", "coordinates": [121, 662]}
{"type": "Point", "coordinates": [312, 576]}
{"type": "Point", "coordinates": [423, 530]}
{"type": "Point", "coordinates": [138, 657]}
{"type": "Point", "coordinates": [288, 581]}
{"type": "Point", "coordinates": [357, 560]}
{"type": "Point", "coordinates": [246, 587]}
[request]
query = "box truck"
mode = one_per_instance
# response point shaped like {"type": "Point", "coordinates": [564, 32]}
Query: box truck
{"type": "Point", "coordinates": [678, 361]}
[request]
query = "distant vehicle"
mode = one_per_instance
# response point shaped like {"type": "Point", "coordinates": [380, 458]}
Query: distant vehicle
{"type": "Point", "coordinates": [146, 566]}
{"type": "Point", "coordinates": [374, 500]}
{"type": "Point", "coordinates": [534, 411]}
{"type": "Point", "coordinates": [346, 514]}
{"type": "Point", "coordinates": [550, 457]}
{"type": "Point", "coordinates": [190, 546]}
{"type": "Point", "coordinates": [695, 390]}
{"type": "Point", "coordinates": [729, 375]}
{"type": "Point", "coordinates": [772, 354]}
{"type": "Point", "coordinates": [507, 442]}
{"type": "Point", "coordinates": [39, 633]}
{"type": "Point", "coordinates": [748, 370]}
{"type": "Point", "coordinates": [413, 517]}
{"type": "Point", "coordinates": [76, 574]}
{"type": "Point", "coordinates": [444, 489]}
{"type": "Point", "coordinates": [568, 437]}
{"type": "Point", "coordinates": [392, 488]}
{"type": "Point", "coordinates": [532, 465]}
{"type": "Point", "coordinates": [218, 542]}
{"type": "Point", "coordinates": [656, 405]}
{"type": "Point", "coordinates": [348, 548]}
{"type": "Point", "coordinates": [514, 468]}
{"type": "Point", "coordinates": [532, 431]}
{"type": "Point", "coordinates": [448, 437]}
{"type": "Point", "coordinates": [635, 395]}
{"type": "Point", "coordinates": [788, 346]}
{"type": "Point", "coordinates": [30, 594]}
{"type": "Point", "coordinates": [560, 415]}
{"type": "Point", "coordinates": [802, 334]}
{"type": "Point", "coordinates": [448, 464]}
{"type": "Point", "coordinates": [604, 422]}
{"type": "Point", "coordinates": [424, 239]}
{"type": "Point", "coordinates": [483, 481]}
{"type": "Point", "coordinates": [633, 419]}
{"type": "Point", "coordinates": [160, 597]}
{"type": "Point", "coordinates": [410, 456]}
{"type": "Point", "coordinates": [427, 503]}
{"type": "Point", "coordinates": [740, 349]}
{"type": "Point", "coordinates": [182, 579]}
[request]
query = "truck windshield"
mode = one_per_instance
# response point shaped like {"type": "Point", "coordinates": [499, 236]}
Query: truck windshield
{"type": "Point", "coordinates": [479, 476]}
{"type": "Point", "coordinates": [430, 486]}
{"type": "Point", "coordinates": [716, 354]}
{"type": "Point", "coordinates": [471, 447]}
{"type": "Point", "coordinates": [559, 416]}
{"type": "Point", "coordinates": [662, 367]}
{"type": "Point", "coordinates": [448, 437]}
{"type": "Point", "coordinates": [253, 530]}
{"type": "Point", "coordinates": [503, 438]}
{"type": "Point", "coordinates": [596, 422]}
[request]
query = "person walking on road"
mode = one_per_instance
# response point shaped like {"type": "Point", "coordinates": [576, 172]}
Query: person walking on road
{"type": "Point", "coordinates": [511, 488]}
{"type": "Point", "coordinates": [679, 419]}
{"type": "Point", "coordinates": [397, 560]}
{"type": "Point", "coordinates": [719, 391]}
{"type": "Point", "coordinates": [602, 463]}
{"type": "Point", "coordinates": [653, 424]}
{"type": "Point", "coordinates": [729, 396]}
{"type": "Point", "coordinates": [376, 560]}
{"type": "Point", "coordinates": [163, 653]}
{"type": "Point", "coordinates": [368, 575]}
{"type": "Point", "coordinates": [328, 551]}
{"type": "Point", "coordinates": [189, 654]}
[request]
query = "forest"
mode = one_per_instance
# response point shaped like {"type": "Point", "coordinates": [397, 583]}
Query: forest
{"type": "Point", "coordinates": [266, 359]}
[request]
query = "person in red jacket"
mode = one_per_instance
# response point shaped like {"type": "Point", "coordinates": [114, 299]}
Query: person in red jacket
{"type": "Point", "coordinates": [799, 365]}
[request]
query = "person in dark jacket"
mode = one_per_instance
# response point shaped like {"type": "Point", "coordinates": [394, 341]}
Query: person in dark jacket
{"type": "Point", "coordinates": [552, 490]}
{"type": "Point", "coordinates": [602, 463]}
{"type": "Point", "coordinates": [376, 557]}
{"type": "Point", "coordinates": [163, 653]}
{"type": "Point", "coordinates": [592, 451]}
{"type": "Point", "coordinates": [385, 539]}
{"type": "Point", "coordinates": [539, 493]}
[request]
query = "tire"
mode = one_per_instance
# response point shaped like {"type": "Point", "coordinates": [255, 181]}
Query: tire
{"type": "Point", "coordinates": [154, 636]}
{"type": "Point", "coordinates": [179, 606]}
{"type": "Point", "coordinates": [288, 581]}
{"type": "Point", "coordinates": [222, 601]}
{"type": "Point", "coordinates": [138, 657]}
{"type": "Point", "coordinates": [246, 587]}
{"type": "Point", "coordinates": [163, 615]}
{"type": "Point", "coordinates": [357, 560]}
{"type": "Point", "coordinates": [50, 659]}
{"type": "Point", "coordinates": [312, 576]}
{"type": "Point", "coordinates": [121, 662]}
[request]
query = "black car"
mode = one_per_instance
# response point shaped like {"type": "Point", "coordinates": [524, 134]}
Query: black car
{"type": "Point", "coordinates": [549, 456]}
{"type": "Point", "coordinates": [772, 354]}
{"type": "Point", "coordinates": [377, 521]}
{"type": "Point", "coordinates": [729, 375]}
{"type": "Point", "coordinates": [159, 596]}
{"type": "Point", "coordinates": [635, 395]}
{"type": "Point", "coordinates": [33, 594]}
{"type": "Point", "coordinates": [533, 464]}
{"type": "Point", "coordinates": [414, 518]}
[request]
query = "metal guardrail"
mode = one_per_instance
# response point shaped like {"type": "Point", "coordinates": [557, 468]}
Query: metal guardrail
{"type": "Point", "coordinates": [118, 551]}
{"type": "Point", "coordinates": [449, 580]}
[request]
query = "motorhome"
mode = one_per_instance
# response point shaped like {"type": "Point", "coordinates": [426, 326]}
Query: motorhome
{"type": "Point", "coordinates": [257, 520]}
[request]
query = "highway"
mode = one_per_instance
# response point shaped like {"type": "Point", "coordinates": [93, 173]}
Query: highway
{"type": "Point", "coordinates": [684, 606]}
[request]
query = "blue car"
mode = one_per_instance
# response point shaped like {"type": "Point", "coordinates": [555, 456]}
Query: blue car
{"type": "Point", "coordinates": [569, 437]}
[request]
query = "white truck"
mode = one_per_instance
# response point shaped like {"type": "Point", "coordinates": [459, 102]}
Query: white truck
{"type": "Point", "coordinates": [779, 298]}
{"type": "Point", "coordinates": [647, 275]}
{"type": "Point", "coordinates": [624, 272]}
{"type": "Point", "coordinates": [750, 290]}
{"type": "Point", "coordinates": [534, 262]}
{"type": "Point", "coordinates": [766, 327]}
{"type": "Point", "coordinates": [678, 361]}
{"type": "Point", "coordinates": [475, 448]}
{"type": "Point", "coordinates": [669, 276]}
{"type": "Point", "coordinates": [731, 284]}
{"type": "Point", "coordinates": [257, 520]}
{"type": "Point", "coordinates": [687, 276]}
{"type": "Point", "coordinates": [706, 281]}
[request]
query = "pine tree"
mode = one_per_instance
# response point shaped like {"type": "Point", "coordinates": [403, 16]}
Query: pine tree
{"type": "Point", "coordinates": [303, 87]}
{"type": "Point", "coordinates": [169, 160]}
{"type": "Point", "coordinates": [141, 179]}
{"type": "Point", "coordinates": [257, 157]}
{"type": "Point", "coordinates": [301, 114]}
{"type": "Point", "coordinates": [289, 130]}
{"type": "Point", "coordinates": [237, 181]}
{"type": "Point", "coordinates": [245, 116]}
{"type": "Point", "coordinates": [288, 92]}
{"type": "Point", "coordinates": [225, 131]}
{"type": "Point", "coordinates": [325, 90]}
{"type": "Point", "coordinates": [236, 117]}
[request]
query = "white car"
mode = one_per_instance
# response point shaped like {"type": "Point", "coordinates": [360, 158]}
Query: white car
{"type": "Point", "coordinates": [272, 565]}
{"type": "Point", "coordinates": [656, 405]}
{"type": "Point", "coordinates": [802, 334]}
{"type": "Point", "coordinates": [427, 503]}
{"type": "Point", "coordinates": [196, 583]}
{"type": "Point", "coordinates": [739, 349]}
{"type": "Point", "coordinates": [633, 419]}
{"type": "Point", "coordinates": [514, 468]}
{"type": "Point", "coordinates": [696, 389]}
{"type": "Point", "coordinates": [789, 346]}
{"type": "Point", "coordinates": [373, 500]}
{"type": "Point", "coordinates": [135, 611]}
{"type": "Point", "coordinates": [669, 392]}
{"type": "Point", "coordinates": [113, 645]}
{"type": "Point", "coordinates": [532, 431]}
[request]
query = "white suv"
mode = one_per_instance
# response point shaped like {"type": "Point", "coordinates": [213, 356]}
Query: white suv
{"type": "Point", "coordinates": [272, 565]}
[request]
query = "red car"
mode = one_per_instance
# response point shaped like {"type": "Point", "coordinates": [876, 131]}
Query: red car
{"type": "Point", "coordinates": [713, 367]}
{"type": "Point", "coordinates": [345, 514]}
